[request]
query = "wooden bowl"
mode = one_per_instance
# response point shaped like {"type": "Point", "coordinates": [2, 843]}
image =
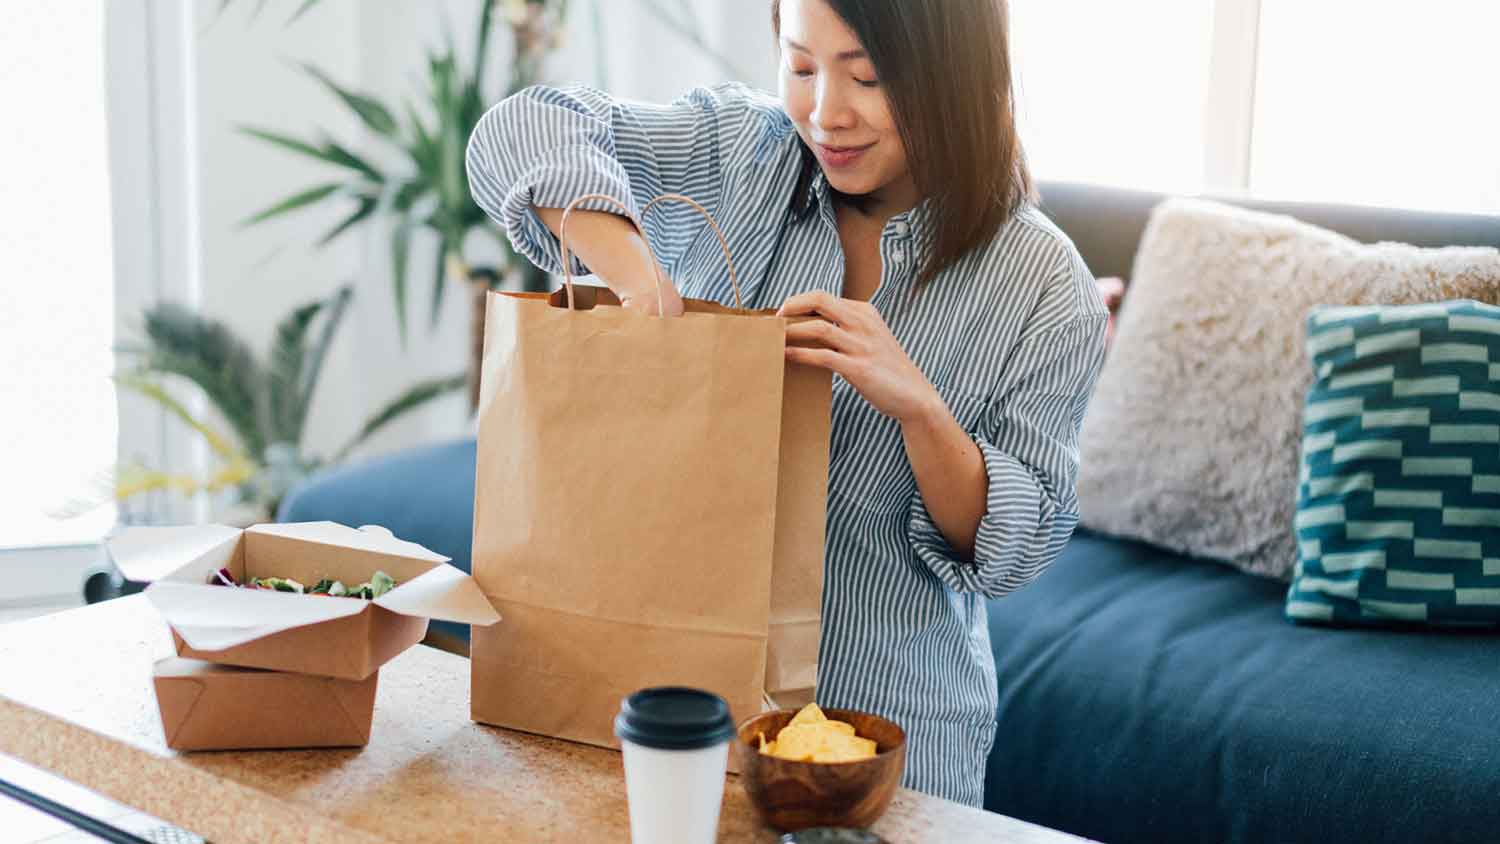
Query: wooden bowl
{"type": "Point", "coordinates": [797, 795]}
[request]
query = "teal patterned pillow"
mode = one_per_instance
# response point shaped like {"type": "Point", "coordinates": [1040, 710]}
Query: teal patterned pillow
{"type": "Point", "coordinates": [1398, 505]}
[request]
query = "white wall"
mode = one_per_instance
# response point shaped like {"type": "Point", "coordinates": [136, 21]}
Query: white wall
{"type": "Point", "coordinates": [246, 73]}
{"type": "Point", "coordinates": [647, 60]}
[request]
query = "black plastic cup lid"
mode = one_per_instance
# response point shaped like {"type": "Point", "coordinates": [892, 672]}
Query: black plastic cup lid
{"type": "Point", "coordinates": [674, 718]}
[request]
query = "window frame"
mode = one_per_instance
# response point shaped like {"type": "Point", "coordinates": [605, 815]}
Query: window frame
{"type": "Point", "coordinates": [150, 53]}
{"type": "Point", "coordinates": [1229, 118]}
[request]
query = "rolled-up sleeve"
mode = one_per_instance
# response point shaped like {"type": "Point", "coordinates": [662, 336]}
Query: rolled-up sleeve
{"type": "Point", "coordinates": [545, 147]}
{"type": "Point", "coordinates": [1028, 437]}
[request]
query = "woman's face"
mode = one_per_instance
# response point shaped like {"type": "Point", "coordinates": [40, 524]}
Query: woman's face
{"type": "Point", "coordinates": [832, 94]}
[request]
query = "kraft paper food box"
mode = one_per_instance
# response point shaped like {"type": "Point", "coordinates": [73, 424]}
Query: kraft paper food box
{"type": "Point", "coordinates": [222, 707]}
{"type": "Point", "coordinates": [344, 638]}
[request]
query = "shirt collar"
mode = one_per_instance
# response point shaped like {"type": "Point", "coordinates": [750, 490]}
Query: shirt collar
{"type": "Point", "coordinates": [811, 188]}
{"type": "Point", "coordinates": [915, 220]}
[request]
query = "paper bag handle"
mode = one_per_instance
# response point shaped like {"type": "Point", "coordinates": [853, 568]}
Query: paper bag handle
{"type": "Point", "coordinates": [567, 260]}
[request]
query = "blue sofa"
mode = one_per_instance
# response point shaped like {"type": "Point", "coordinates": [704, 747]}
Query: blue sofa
{"type": "Point", "coordinates": [1145, 696]}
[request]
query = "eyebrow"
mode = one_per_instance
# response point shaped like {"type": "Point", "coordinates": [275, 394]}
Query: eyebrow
{"type": "Point", "coordinates": [847, 55]}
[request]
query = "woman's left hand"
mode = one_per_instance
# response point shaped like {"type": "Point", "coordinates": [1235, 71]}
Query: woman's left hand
{"type": "Point", "coordinates": [853, 340]}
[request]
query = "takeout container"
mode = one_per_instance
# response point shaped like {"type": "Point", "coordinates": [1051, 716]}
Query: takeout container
{"type": "Point", "coordinates": [219, 707]}
{"type": "Point", "coordinates": [344, 638]}
{"type": "Point", "coordinates": [792, 795]}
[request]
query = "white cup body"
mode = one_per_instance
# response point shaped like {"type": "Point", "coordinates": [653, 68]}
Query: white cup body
{"type": "Point", "coordinates": [675, 795]}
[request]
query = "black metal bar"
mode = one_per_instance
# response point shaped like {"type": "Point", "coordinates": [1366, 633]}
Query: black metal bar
{"type": "Point", "coordinates": [92, 826]}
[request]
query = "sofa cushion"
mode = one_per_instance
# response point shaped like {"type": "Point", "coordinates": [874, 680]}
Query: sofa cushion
{"type": "Point", "coordinates": [1191, 438]}
{"type": "Point", "coordinates": [1145, 696]}
{"type": "Point", "coordinates": [1398, 508]}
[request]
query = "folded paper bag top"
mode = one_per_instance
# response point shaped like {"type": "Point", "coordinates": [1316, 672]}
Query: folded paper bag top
{"type": "Point", "coordinates": [269, 629]}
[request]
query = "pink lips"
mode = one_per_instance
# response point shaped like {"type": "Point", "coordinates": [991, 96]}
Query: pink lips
{"type": "Point", "coordinates": [840, 156]}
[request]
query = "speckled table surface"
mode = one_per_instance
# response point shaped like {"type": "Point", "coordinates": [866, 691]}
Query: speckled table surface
{"type": "Point", "coordinates": [76, 698]}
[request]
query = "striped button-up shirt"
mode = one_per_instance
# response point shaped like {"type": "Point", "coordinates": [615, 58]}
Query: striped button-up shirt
{"type": "Point", "coordinates": [1012, 337]}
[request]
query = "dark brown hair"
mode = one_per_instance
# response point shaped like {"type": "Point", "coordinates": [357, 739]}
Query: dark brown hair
{"type": "Point", "coordinates": [945, 68]}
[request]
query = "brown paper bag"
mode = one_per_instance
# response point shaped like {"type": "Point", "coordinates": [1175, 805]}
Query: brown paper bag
{"type": "Point", "coordinates": [649, 509]}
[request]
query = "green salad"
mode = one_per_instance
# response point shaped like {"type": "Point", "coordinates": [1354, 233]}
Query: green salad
{"type": "Point", "coordinates": [378, 584]}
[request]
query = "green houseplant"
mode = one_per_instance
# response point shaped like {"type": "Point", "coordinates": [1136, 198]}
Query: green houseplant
{"type": "Point", "coordinates": [429, 190]}
{"type": "Point", "coordinates": [265, 402]}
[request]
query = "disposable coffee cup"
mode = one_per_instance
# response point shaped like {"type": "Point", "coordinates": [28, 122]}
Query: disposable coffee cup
{"type": "Point", "coordinates": [676, 747]}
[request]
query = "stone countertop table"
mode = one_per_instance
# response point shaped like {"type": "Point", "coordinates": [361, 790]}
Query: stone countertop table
{"type": "Point", "coordinates": [76, 699]}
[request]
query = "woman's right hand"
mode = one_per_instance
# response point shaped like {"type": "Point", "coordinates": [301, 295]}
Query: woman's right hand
{"type": "Point", "coordinates": [617, 253]}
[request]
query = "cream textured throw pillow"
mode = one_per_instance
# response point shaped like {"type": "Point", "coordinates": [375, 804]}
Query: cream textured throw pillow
{"type": "Point", "coordinates": [1191, 440]}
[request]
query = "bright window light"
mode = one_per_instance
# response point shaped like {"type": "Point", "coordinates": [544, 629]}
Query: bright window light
{"type": "Point", "coordinates": [1390, 104]}
{"type": "Point", "coordinates": [1111, 92]}
{"type": "Point", "coordinates": [57, 405]}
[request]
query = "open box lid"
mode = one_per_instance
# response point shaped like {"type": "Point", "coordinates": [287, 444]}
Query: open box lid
{"type": "Point", "coordinates": [178, 561]}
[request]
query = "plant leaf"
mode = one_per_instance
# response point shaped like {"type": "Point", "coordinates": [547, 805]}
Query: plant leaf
{"type": "Point", "coordinates": [208, 353]}
{"type": "Point", "coordinates": [292, 203]}
{"type": "Point", "coordinates": [293, 372]}
{"type": "Point", "coordinates": [417, 395]}
{"type": "Point", "coordinates": [370, 110]}
{"type": "Point", "coordinates": [335, 307]}
{"type": "Point", "coordinates": [366, 208]}
{"type": "Point", "coordinates": [338, 154]}
{"type": "Point", "coordinates": [284, 374]}
{"type": "Point", "coordinates": [439, 285]}
{"type": "Point", "coordinates": [482, 48]}
{"type": "Point", "coordinates": [400, 251]}
{"type": "Point", "coordinates": [157, 392]}
{"type": "Point", "coordinates": [330, 153]}
{"type": "Point", "coordinates": [423, 150]}
{"type": "Point", "coordinates": [133, 480]}
{"type": "Point", "coordinates": [284, 141]}
{"type": "Point", "coordinates": [301, 10]}
{"type": "Point", "coordinates": [407, 196]}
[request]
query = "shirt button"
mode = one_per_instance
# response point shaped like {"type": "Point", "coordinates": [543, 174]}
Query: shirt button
{"type": "Point", "coordinates": [902, 229]}
{"type": "Point", "coordinates": [898, 256]}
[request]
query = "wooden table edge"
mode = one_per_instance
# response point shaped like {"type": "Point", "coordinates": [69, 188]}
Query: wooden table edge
{"type": "Point", "coordinates": [200, 807]}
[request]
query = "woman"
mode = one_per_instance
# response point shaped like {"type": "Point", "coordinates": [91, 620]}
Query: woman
{"type": "Point", "coordinates": [887, 192]}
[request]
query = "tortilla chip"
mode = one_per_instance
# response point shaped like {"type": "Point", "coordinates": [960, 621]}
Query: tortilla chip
{"type": "Point", "coordinates": [809, 714]}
